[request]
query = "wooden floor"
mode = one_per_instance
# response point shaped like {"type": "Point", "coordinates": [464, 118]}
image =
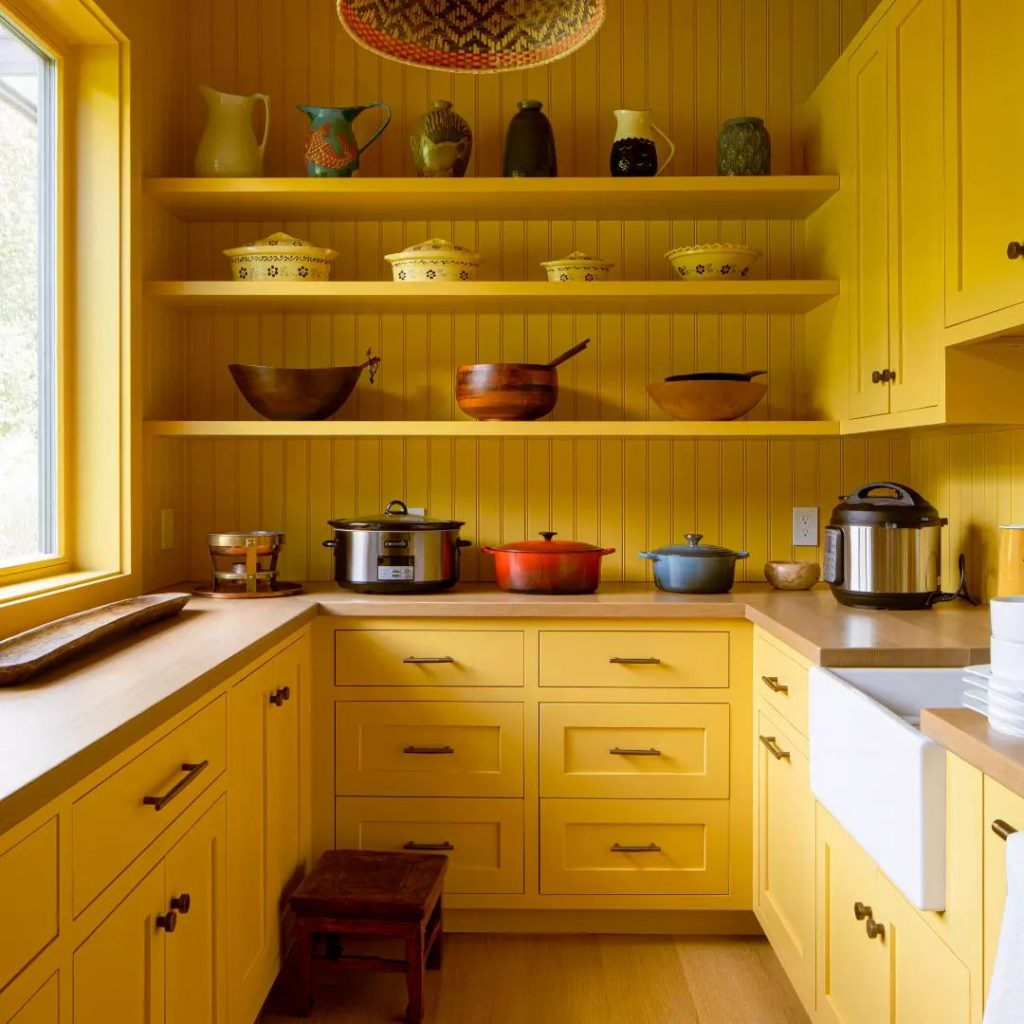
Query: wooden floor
{"type": "Point", "coordinates": [559, 979]}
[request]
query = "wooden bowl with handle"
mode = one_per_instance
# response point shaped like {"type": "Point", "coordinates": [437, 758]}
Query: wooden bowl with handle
{"type": "Point", "coordinates": [510, 391]}
{"type": "Point", "coordinates": [707, 399]}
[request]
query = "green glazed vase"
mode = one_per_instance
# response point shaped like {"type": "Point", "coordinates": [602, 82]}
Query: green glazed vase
{"type": "Point", "coordinates": [744, 147]}
{"type": "Point", "coordinates": [442, 142]}
{"type": "Point", "coordinates": [331, 147]}
{"type": "Point", "coordinates": [530, 144]}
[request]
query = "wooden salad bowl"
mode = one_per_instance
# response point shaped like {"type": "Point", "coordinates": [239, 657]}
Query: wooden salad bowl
{"type": "Point", "coordinates": [707, 399]}
{"type": "Point", "coordinates": [506, 391]}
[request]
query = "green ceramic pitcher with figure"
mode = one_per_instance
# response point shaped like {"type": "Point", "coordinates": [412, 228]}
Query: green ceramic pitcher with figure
{"type": "Point", "coordinates": [331, 147]}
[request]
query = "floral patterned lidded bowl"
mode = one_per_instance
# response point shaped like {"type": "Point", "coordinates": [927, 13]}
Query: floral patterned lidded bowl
{"type": "Point", "coordinates": [280, 257]}
{"type": "Point", "coordinates": [578, 266]}
{"type": "Point", "coordinates": [714, 262]}
{"type": "Point", "coordinates": [434, 260]}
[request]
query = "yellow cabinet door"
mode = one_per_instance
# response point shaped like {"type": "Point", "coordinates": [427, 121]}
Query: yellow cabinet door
{"type": "Point", "coordinates": [119, 969]}
{"type": "Point", "coordinates": [784, 853]}
{"type": "Point", "coordinates": [195, 989]}
{"type": "Point", "coordinates": [916, 234]}
{"type": "Point", "coordinates": [42, 1008]}
{"type": "Point", "coordinates": [929, 984]}
{"type": "Point", "coordinates": [853, 967]}
{"type": "Point", "coordinates": [781, 680]}
{"type": "Point", "coordinates": [429, 748]}
{"type": "Point", "coordinates": [985, 154]}
{"type": "Point", "coordinates": [869, 225]}
{"type": "Point", "coordinates": [634, 750]}
{"type": "Point", "coordinates": [1002, 808]}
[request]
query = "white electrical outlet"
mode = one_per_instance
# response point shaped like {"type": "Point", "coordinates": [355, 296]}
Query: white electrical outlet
{"type": "Point", "coordinates": [166, 529]}
{"type": "Point", "coordinates": [805, 527]}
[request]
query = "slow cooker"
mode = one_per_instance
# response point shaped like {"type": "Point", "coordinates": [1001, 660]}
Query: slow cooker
{"type": "Point", "coordinates": [883, 547]}
{"type": "Point", "coordinates": [396, 552]}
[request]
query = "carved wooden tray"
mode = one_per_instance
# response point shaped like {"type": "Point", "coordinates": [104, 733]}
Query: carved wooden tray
{"type": "Point", "coordinates": [39, 649]}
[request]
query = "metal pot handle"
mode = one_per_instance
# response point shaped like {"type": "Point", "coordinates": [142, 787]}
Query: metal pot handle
{"type": "Point", "coordinates": [741, 554]}
{"type": "Point", "coordinates": [330, 543]}
{"type": "Point", "coordinates": [460, 543]}
{"type": "Point", "coordinates": [906, 496]}
{"type": "Point", "coordinates": [389, 509]}
{"type": "Point", "coordinates": [650, 555]}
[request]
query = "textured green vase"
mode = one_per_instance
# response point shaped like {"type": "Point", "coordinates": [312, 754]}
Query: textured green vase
{"type": "Point", "coordinates": [744, 147]}
{"type": "Point", "coordinates": [442, 143]}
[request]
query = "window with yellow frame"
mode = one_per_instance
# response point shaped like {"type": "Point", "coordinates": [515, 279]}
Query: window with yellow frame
{"type": "Point", "coordinates": [65, 388]}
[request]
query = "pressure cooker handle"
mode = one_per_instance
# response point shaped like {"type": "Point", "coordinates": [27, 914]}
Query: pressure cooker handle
{"type": "Point", "coordinates": [330, 543]}
{"type": "Point", "coordinates": [906, 495]}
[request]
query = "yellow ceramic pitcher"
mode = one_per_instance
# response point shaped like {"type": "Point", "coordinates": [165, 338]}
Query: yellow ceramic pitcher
{"type": "Point", "coordinates": [228, 148]}
{"type": "Point", "coordinates": [1010, 569]}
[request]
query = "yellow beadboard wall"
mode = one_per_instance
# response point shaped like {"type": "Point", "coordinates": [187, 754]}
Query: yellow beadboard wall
{"type": "Point", "coordinates": [693, 63]}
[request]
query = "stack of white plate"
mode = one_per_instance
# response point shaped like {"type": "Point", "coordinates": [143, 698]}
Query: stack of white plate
{"type": "Point", "coordinates": [997, 690]}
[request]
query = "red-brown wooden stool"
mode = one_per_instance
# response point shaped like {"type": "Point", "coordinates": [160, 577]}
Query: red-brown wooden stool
{"type": "Point", "coordinates": [357, 893]}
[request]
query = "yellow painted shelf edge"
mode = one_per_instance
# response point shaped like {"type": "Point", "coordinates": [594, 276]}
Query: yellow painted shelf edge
{"type": "Point", "coordinates": [668, 197]}
{"type": "Point", "coordinates": [472, 428]}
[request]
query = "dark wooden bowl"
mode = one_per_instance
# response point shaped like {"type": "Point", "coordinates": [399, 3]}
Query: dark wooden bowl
{"type": "Point", "coordinates": [506, 391]}
{"type": "Point", "coordinates": [285, 394]}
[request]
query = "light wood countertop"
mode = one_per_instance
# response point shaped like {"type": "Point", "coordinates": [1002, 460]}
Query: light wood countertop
{"type": "Point", "coordinates": [59, 728]}
{"type": "Point", "coordinates": [968, 735]}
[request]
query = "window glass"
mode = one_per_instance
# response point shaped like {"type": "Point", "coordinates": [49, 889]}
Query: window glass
{"type": "Point", "coordinates": [28, 425]}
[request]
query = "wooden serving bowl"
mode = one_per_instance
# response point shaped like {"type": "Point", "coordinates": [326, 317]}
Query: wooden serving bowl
{"type": "Point", "coordinates": [506, 391]}
{"type": "Point", "coordinates": [792, 575]}
{"type": "Point", "coordinates": [707, 399]}
{"type": "Point", "coordinates": [286, 394]}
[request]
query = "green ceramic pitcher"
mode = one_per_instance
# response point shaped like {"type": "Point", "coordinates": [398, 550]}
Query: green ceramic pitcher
{"type": "Point", "coordinates": [331, 147]}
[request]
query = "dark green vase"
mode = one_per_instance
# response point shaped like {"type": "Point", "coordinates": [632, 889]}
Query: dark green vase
{"type": "Point", "coordinates": [744, 147]}
{"type": "Point", "coordinates": [530, 144]}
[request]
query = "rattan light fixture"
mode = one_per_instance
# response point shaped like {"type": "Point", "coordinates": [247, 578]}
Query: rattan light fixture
{"type": "Point", "coordinates": [476, 36]}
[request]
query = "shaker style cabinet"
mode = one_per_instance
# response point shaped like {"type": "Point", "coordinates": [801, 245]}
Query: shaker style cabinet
{"type": "Point", "coordinates": [265, 822]}
{"type": "Point", "coordinates": [155, 958]}
{"type": "Point", "coordinates": [985, 152]}
{"type": "Point", "coordinates": [895, 213]}
{"type": "Point", "coordinates": [1004, 811]}
{"type": "Point", "coordinates": [43, 1007]}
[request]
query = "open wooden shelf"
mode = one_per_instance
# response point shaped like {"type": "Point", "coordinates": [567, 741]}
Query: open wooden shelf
{"type": "Point", "coordinates": [778, 197]}
{"type": "Point", "coordinates": [472, 428]}
{"type": "Point", "coordinates": [499, 296]}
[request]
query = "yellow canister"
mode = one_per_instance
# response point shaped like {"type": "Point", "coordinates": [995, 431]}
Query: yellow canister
{"type": "Point", "coordinates": [1010, 569]}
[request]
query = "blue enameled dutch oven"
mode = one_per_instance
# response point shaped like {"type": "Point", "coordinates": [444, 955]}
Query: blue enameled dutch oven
{"type": "Point", "coordinates": [694, 568]}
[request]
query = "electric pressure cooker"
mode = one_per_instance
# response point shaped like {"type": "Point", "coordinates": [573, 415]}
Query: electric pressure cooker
{"type": "Point", "coordinates": [396, 553]}
{"type": "Point", "coordinates": [883, 549]}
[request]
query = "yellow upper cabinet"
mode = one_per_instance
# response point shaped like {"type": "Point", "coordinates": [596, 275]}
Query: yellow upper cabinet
{"type": "Point", "coordinates": [985, 154]}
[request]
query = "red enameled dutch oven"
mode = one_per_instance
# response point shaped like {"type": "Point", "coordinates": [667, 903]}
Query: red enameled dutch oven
{"type": "Point", "coordinates": [548, 566]}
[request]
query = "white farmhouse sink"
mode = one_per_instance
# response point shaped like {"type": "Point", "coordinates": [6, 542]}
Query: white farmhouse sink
{"type": "Point", "coordinates": [878, 776]}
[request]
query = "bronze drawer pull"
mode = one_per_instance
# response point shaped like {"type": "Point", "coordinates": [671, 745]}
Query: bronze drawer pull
{"type": "Point", "coordinates": [1002, 828]}
{"type": "Point", "coordinates": [428, 846]}
{"type": "Point", "coordinates": [429, 750]}
{"type": "Point", "coordinates": [874, 929]}
{"type": "Point", "coordinates": [1015, 250]}
{"type": "Point", "coordinates": [861, 911]}
{"type": "Point", "coordinates": [636, 752]}
{"type": "Point", "coordinates": [444, 660]}
{"type": "Point", "coordinates": [634, 661]}
{"type": "Point", "coordinates": [182, 903]}
{"type": "Point", "coordinates": [649, 848]}
{"type": "Point", "coordinates": [278, 697]}
{"type": "Point", "coordinates": [882, 376]}
{"type": "Point", "coordinates": [193, 771]}
{"type": "Point", "coordinates": [773, 684]}
{"type": "Point", "coordinates": [774, 749]}
{"type": "Point", "coordinates": [168, 921]}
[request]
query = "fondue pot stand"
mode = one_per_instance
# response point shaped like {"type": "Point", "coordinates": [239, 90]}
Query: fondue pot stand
{"type": "Point", "coordinates": [396, 552]}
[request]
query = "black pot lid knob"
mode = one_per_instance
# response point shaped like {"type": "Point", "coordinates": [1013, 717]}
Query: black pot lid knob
{"type": "Point", "coordinates": [548, 534]}
{"type": "Point", "coordinates": [694, 539]}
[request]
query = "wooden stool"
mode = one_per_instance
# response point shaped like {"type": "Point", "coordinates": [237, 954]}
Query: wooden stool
{"type": "Point", "coordinates": [355, 893]}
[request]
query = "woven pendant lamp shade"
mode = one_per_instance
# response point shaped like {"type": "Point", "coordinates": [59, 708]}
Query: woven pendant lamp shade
{"type": "Point", "coordinates": [472, 35]}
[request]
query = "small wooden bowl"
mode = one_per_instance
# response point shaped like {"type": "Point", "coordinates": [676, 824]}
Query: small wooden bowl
{"type": "Point", "coordinates": [506, 391]}
{"type": "Point", "coordinates": [286, 394]}
{"type": "Point", "coordinates": [792, 575]}
{"type": "Point", "coordinates": [707, 399]}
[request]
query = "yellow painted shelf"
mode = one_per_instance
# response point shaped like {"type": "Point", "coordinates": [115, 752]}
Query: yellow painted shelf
{"type": "Point", "coordinates": [472, 428]}
{"type": "Point", "coordinates": [779, 197]}
{"type": "Point", "coordinates": [499, 296]}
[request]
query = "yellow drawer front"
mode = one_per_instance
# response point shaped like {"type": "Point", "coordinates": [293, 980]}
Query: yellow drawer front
{"type": "Point", "coordinates": [483, 839]}
{"type": "Point", "coordinates": [428, 657]}
{"type": "Point", "coordinates": [634, 658]}
{"type": "Point", "coordinates": [781, 682]}
{"type": "Point", "coordinates": [634, 750]}
{"type": "Point", "coordinates": [626, 847]}
{"type": "Point", "coordinates": [1006, 807]}
{"type": "Point", "coordinates": [429, 748]}
{"type": "Point", "coordinates": [114, 822]}
{"type": "Point", "coordinates": [28, 884]}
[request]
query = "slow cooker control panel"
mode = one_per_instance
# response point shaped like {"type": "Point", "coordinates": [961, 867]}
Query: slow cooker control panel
{"type": "Point", "coordinates": [396, 568]}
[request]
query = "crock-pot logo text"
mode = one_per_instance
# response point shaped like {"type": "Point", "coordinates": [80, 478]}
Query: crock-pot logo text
{"type": "Point", "coordinates": [396, 543]}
